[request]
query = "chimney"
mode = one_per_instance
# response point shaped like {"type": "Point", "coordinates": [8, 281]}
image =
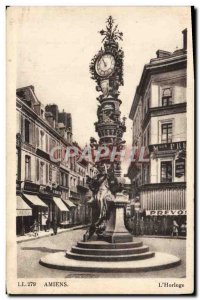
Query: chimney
{"type": "Point", "coordinates": [162, 53]}
{"type": "Point", "coordinates": [50, 118]}
{"type": "Point", "coordinates": [184, 32]}
{"type": "Point", "coordinates": [53, 108]}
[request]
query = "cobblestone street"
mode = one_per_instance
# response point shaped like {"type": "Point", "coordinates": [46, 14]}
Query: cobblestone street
{"type": "Point", "coordinates": [30, 252]}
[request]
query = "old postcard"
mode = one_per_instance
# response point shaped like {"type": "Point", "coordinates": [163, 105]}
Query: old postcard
{"type": "Point", "coordinates": [100, 150]}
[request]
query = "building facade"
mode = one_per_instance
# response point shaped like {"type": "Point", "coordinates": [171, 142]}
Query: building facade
{"type": "Point", "coordinates": [159, 120]}
{"type": "Point", "coordinates": [49, 188]}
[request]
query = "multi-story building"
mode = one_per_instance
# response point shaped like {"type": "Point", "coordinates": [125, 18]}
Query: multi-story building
{"type": "Point", "coordinates": [48, 187]}
{"type": "Point", "coordinates": [159, 120]}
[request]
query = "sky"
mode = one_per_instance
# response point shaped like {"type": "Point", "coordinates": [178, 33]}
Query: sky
{"type": "Point", "coordinates": [56, 44]}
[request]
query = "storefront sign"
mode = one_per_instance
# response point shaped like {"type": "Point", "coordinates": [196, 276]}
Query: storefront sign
{"type": "Point", "coordinates": [168, 146]}
{"type": "Point", "coordinates": [180, 167]}
{"type": "Point", "coordinates": [172, 212]}
{"type": "Point", "coordinates": [57, 192]}
{"type": "Point", "coordinates": [31, 187]}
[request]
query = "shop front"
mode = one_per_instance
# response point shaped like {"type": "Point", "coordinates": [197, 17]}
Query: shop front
{"type": "Point", "coordinates": [39, 209]}
{"type": "Point", "coordinates": [75, 198]}
{"type": "Point", "coordinates": [161, 222]}
{"type": "Point", "coordinates": [29, 207]}
{"type": "Point", "coordinates": [24, 216]}
{"type": "Point", "coordinates": [71, 207]}
{"type": "Point", "coordinates": [163, 206]}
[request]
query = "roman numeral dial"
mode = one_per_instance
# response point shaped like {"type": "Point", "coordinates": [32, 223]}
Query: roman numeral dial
{"type": "Point", "coordinates": [105, 65]}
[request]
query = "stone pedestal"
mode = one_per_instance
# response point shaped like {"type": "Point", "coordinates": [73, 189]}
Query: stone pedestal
{"type": "Point", "coordinates": [116, 231]}
{"type": "Point", "coordinates": [116, 253]}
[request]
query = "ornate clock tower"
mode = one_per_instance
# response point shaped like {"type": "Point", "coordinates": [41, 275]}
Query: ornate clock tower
{"type": "Point", "coordinates": [109, 248]}
{"type": "Point", "coordinates": [107, 70]}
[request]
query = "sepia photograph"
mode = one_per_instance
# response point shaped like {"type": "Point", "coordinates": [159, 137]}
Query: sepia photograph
{"type": "Point", "coordinates": [100, 138]}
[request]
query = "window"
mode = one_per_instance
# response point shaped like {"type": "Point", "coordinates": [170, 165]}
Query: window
{"type": "Point", "coordinates": [27, 167]}
{"type": "Point", "coordinates": [166, 97]}
{"type": "Point", "coordinates": [66, 180]}
{"type": "Point", "coordinates": [50, 173]}
{"type": "Point", "coordinates": [41, 140]}
{"type": "Point", "coordinates": [166, 171]}
{"type": "Point", "coordinates": [41, 173]}
{"type": "Point", "coordinates": [47, 173]}
{"type": "Point", "coordinates": [47, 144]}
{"type": "Point", "coordinates": [27, 131]}
{"type": "Point", "coordinates": [146, 174]}
{"type": "Point", "coordinates": [37, 170]}
{"type": "Point", "coordinates": [166, 131]}
{"type": "Point", "coordinates": [37, 136]}
{"type": "Point", "coordinates": [61, 179]}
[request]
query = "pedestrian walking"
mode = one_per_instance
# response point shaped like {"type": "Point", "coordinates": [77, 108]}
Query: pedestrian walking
{"type": "Point", "coordinates": [35, 228]}
{"type": "Point", "coordinates": [44, 220]}
{"type": "Point", "coordinates": [55, 227]}
{"type": "Point", "coordinates": [175, 228]}
{"type": "Point", "coordinates": [183, 229]}
{"type": "Point", "coordinates": [47, 224]}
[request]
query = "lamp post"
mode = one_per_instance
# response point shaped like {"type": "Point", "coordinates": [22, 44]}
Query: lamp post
{"type": "Point", "coordinates": [137, 207]}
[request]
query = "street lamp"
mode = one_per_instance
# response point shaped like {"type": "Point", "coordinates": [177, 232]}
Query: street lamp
{"type": "Point", "coordinates": [137, 208]}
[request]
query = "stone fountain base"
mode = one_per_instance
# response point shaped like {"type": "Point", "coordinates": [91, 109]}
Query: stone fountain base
{"type": "Point", "coordinates": [116, 252]}
{"type": "Point", "coordinates": [101, 256]}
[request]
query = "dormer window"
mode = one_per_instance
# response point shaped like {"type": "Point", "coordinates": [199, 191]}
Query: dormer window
{"type": "Point", "coordinates": [166, 96]}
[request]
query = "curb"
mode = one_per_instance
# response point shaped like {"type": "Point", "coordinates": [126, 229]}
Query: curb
{"type": "Point", "coordinates": [51, 234]}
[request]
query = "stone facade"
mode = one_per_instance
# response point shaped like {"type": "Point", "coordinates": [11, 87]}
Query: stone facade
{"type": "Point", "coordinates": [59, 184]}
{"type": "Point", "coordinates": [159, 120]}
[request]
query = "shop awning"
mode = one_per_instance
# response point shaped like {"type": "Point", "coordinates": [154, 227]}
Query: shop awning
{"type": "Point", "coordinates": [23, 209]}
{"type": "Point", "coordinates": [60, 204]}
{"type": "Point", "coordinates": [35, 200]}
{"type": "Point", "coordinates": [69, 203]}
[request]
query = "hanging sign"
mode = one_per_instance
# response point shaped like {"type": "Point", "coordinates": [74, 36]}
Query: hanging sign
{"type": "Point", "coordinates": [180, 167]}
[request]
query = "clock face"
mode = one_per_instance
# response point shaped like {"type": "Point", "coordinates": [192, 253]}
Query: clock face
{"type": "Point", "coordinates": [105, 65]}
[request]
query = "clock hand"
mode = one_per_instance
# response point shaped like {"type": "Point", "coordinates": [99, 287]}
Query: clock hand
{"type": "Point", "coordinates": [104, 62]}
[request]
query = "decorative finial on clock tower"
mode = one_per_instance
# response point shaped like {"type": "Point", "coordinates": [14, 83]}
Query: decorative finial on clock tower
{"type": "Point", "coordinates": [111, 34]}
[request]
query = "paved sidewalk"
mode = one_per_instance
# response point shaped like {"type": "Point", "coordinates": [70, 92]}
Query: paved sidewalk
{"type": "Point", "coordinates": [30, 236]}
{"type": "Point", "coordinates": [163, 237]}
